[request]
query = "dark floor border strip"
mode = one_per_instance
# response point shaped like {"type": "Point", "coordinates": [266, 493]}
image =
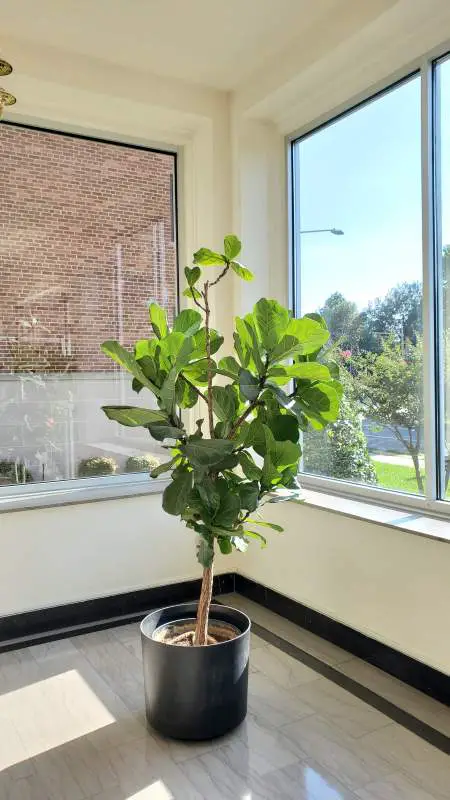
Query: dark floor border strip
{"type": "Point", "coordinates": [407, 669]}
{"type": "Point", "coordinates": [380, 703]}
{"type": "Point", "coordinates": [48, 624]}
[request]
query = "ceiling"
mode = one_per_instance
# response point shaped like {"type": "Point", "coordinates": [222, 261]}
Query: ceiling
{"type": "Point", "coordinates": [209, 42]}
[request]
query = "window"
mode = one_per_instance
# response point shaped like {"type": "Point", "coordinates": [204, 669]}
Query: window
{"type": "Point", "coordinates": [358, 238]}
{"type": "Point", "coordinates": [87, 239]}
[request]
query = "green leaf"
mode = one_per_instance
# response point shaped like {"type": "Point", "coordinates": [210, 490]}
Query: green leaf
{"type": "Point", "coordinates": [199, 342]}
{"type": "Point", "coordinates": [260, 437]}
{"type": "Point", "coordinates": [209, 496]}
{"type": "Point", "coordinates": [243, 352]}
{"type": "Point", "coordinates": [249, 468]}
{"type": "Point", "coordinates": [271, 525]}
{"type": "Point", "coordinates": [249, 385]}
{"type": "Point", "coordinates": [167, 393]}
{"type": "Point", "coordinates": [207, 452]}
{"type": "Point", "coordinates": [205, 551]}
{"type": "Point", "coordinates": [310, 333]}
{"type": "Point", "coordinates": [161, 431]}
{"type": "Point", "coordinates": [285, 454]}
{"type": "Point", "coordinates": [254, 535]}
{"type": "Point", "coordinates": [229, 366]}
{"type": "Point", "coordinates": [320, 400]}
{"type": "Point", "coordinates": [158, 320]}
{"type": "Point", "coordinates": [132, 416]}
{"type": "Point", "coordinates": [208, 258]}
{"type": "Point", "coordinates": [239, 543]}
{"type": "Point", "coordinates": [225, 545]}
{"type": "Point", "coordinates": [242, 271]}
{"type": "Point", "coordinates": [254, 344]}
{"type": "Point", "coordinates": [192, 275]}
{"type": "Point", "coordinates": [228, 513]}
{"type": "Point", "coordinates": [176, 495]}
{"type": "Point", "coordinates": [136, 385]}
{"type": "Point", "coordinates": [185, 394]}
{"type": "Point", "coordinates": [269, 473]}
{"type": "Point", "coordinates": [232, 246]}
{"type": "Point", "coordinates": [225, 402]}
{"type": "Point", "coordinates": [272, 319]}
{"type": "Point", "coordinates": [249, 495]}
{"type": "Point", "coordinates": [188, 322]}
{"type": "Point", "coordinates": [192, 292]}
{"type": "Point", "coordinates": [305, 370]}
{"type": "Point", "coordinates": [284, 427]}
{"type": "Point", "coordinates": [287, 347]}
{"type": "Point", "coordinates": [121, 356]}
{"type": "Point", "coordinates": [168, 465]}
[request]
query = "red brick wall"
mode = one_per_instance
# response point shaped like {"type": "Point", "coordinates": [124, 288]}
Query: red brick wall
{"type": "Point", "coordinates": [85, 241]}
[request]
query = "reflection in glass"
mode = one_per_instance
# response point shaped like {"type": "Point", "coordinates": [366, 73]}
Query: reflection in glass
{"type": "Point", "coordinates": [87, 240]}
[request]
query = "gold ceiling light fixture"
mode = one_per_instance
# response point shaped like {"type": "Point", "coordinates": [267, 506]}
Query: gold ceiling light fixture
{"type": "Point", "coordinates": [6, 98]}
{"type": "Point", "coordinates": [5, 68]}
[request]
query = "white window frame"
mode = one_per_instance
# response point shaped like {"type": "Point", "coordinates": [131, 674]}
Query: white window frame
{"type": "Point", "coordinates": [83, 490]}
{"type": "Point", "coordinates": [431, 238]}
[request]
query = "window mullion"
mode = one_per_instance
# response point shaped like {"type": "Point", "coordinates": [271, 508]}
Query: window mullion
{"type": "Point", "coordinates": [430, 244]}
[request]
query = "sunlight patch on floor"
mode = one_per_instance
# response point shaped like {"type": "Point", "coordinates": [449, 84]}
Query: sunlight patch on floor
{"type": "Point", "coordinates": [46, 714]}
{"type": "Point", "coordinates": [157, 791]}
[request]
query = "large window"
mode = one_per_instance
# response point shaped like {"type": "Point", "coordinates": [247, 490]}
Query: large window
{"type": "Point", "coordinates": [86, 241]}
{"type": "Point", "coordinates": [370, 197]}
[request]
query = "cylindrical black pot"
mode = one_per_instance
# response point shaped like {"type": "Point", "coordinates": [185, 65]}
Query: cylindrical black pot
{"type": "Point", "coordinates": [195, 692]}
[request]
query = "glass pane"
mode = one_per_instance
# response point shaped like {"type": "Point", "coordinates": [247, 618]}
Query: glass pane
{"type": "Point", "coordinates": [443, 133]}
{"type": "Point", "coordinates": [358, 239]}
{"type": "Point", "coordinates": [86, 240]}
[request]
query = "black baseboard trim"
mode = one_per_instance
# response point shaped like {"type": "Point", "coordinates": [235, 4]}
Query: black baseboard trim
{"type": "Point", "coordinates": [22, 630]}
{"type": "Point", "coordinates": [407, 669]}
{"type": "Point", "coordinates": [44, 625]}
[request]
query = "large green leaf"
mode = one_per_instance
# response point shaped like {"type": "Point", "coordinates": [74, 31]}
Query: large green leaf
{"type": "Point", "coordinates": [207, 452]}
{"type": "Point", "coordinates": [209, 496]}
{"type": "Point", "coordinates": [158, 320]}
{"type": "Point", "coordinates": [260, 437]}
{"type": "Point", "coordinates": [161, 431]}
{"type": "Point", "coordinates": [192, 293]}
{"type": "Point", "coordinates": [192, 275]}
{"type": "Point", "coordinates": [272, 319]}
{"type": "Point", "coordinates": [263, 524]}
{"type": "Point", "coordinates": [199, 342]}
{"type": "Point", "coordinates": [249, 495]}
{"type": "Point", "coordinates": [258, 536]}
{"type": "Point", "coordinates": [188, 322]}
{"type": "Point", "coordinates": [255, 347]}
{"type": "Point", "coordinates": [225, 545]}
{"type": "Point", "coordinates": [176, 495]}
{"type": "Point", "coordinates": [242, 271]}
{"type": "Point", "coordinates": [132, 416]}
{"type": "Point", "coordinates": [248, 466]}
{"type": "Point", "coordinates": [166, 467]}
{"type": "Point", "coordinates": [230, 506]}
{"type": "Point", "coordinates": [177, 348]}
{"type": "Point", "coordinates": [208, 258]}
{"type": "Point", "coordinates": [185, 395]}
{"type": "Point", "coordinates": [249, 385]}
{"type": "Point", "coordinates": [121, 356]}
{"type": "Point", "coordinates": [229, 366]}
{"type": "Point", "coordinates": [225, 402]}
{"type": "Point", "coordinates": [232, 246]}
{"type": "Point", "coordinates": [288, 346]}
{"type": "Point", "coordinates": [310, 333]}
{"type": "Point", "coordinates": [167, 393]}
{"type": "Point", "coordinates": [285, 454]}
{"type": "Point", "coordinates": [305, 370]}
{"type": "Point", "coordinates": [320, 400]}
{"type": "Point", "coordinates": [284, 427]}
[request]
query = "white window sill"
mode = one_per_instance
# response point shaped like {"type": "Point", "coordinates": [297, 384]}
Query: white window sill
{"type": "Point", "coordinates": [20, 498]}
{"type": "Point", "coordinates": [411, 521]}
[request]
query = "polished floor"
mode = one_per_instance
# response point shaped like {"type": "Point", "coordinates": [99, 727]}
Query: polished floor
{"type": "Point", "coordinates": [72, 727]}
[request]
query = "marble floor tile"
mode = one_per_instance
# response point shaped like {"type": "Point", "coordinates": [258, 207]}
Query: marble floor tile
{"type": "Point", "coordinates": [345, 710]}
{"type": "Point", "coordinates": [281, 668]}
{"type": "Point", "coordinates": [275, 705]}
{"type": "Point", "coordinates": [394, 787]}
{"type": "Point", "coordinates": [416, 703]}
{"type": "Point", "coordinates": [305, 780]}
{"type": "Point", "coordinates": [130, 637]}
{"type": "Point", "coordinates": [424, 764]}
{"type": "Point", "coordinates": [348, 759]}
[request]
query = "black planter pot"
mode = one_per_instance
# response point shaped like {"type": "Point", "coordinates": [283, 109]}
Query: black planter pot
{"type": "Point", "coordinates": [195, 692]}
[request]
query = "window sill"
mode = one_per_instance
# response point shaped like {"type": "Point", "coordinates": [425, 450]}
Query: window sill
{"type": "Point", "coordinates": [22, 498]}
{"type": "Point", "coordinates": [410, 521]}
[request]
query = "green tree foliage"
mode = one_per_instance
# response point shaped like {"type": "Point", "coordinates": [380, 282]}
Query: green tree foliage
{"type": "Point", "coordinates": [340, 451]}
{"type": "Point", "coordinates": [389, 388]}
{"type": "Point", "coordinates": [398, 314]}
{"type": "Point", "coordinates": [245, 449]}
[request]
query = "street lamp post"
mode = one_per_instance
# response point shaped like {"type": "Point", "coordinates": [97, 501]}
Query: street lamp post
{"type": "Point", "coordinates": [334, 231]}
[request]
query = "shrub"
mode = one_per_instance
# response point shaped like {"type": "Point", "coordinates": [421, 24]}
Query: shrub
{"type": "Point", "coordinates": [96, 465]}
{"type": "Point", "coordinates": [14, 472]}
{"type": "Point", "coordinates": [341, 450]}
{"type": "Point", "coordinates": [144, 462]}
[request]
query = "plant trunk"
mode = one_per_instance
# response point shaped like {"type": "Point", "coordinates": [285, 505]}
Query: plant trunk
{"type": "Point", "coordinates": [201, 628]}
{"type": "Point", "coordinates": [419, 479]}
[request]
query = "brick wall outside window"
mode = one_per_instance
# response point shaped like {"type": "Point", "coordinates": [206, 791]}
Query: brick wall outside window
{"type": "Point", "coordinates": [86, 240]}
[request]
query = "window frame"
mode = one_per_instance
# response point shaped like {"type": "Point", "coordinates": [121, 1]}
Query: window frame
{"type": "Point", "coordinates": [426, 69]}
{"type": "Point", "coordinates": [81, 490]}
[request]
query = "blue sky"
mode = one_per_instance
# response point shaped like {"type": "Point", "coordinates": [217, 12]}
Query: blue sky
{"type": "Point", "coordinates": [362, 174]}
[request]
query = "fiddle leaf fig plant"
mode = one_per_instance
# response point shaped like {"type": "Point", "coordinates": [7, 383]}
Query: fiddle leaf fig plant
{"type": "Point", "coordinates": [244, 450]}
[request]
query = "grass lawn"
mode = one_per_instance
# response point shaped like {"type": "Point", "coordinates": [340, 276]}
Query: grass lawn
{"type": "Point", "coordinates": [396, 476]}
